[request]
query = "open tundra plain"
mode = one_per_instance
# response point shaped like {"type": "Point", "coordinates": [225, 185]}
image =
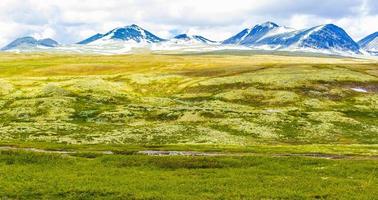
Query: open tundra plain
{"type": "Point", "coordinates": [235, 125]}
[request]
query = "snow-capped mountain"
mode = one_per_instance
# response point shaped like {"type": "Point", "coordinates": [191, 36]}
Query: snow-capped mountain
{"type": "Point", "coordinates": [269, 35]}
{"type": "Point", "coordinates": [132, 34]}
{"type": "Point", "coordinates": [190, 39]}
{"type": "Point", "coordinates": [370, 43]}
{"type": "Point", "coordinates": [30, 42]}
{"type": "Point", "coordinates": [249, 37]}
{"type": "Point", "coordinates": [327, 37]}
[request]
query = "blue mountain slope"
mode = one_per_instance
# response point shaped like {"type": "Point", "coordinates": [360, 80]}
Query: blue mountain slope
{"type": "Point", "coordinates": [236, 39]}
{"type": "Point", "coordinates": [30, 42]}
{"type": "Point", "coordinates": [366, 40]}
{"type": "Point", "coordinates": [258, 32]}
{"type": "Point", "coordinates": [127, 33]}
{"type": "Point", "coordinates": [250, 36]}
{"type": "Point", "coordinates": [329, 36]}
{"type": "Point", "coordinates": [370, 43]}
{"type": "Point", "coordinates": [91, 39]}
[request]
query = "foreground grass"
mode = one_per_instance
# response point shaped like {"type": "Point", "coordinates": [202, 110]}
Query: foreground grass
{"type": "Point", "coordinates": [45, 176]}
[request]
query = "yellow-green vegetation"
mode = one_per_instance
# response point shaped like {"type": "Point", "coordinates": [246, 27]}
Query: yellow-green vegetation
{"type": "Point", "coordinates": [187, 99]}
{"type": "Point", "coordinates": [282, 127]}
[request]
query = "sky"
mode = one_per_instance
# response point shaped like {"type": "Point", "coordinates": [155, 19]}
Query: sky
{"type": "Point", "coordinates": [70, 21]}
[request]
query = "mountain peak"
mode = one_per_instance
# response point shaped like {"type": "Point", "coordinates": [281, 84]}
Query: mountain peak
{"type": "Point", "coordinates": [268, 24]}
{"type": "Point", "coordinates": [182, 36]}
{"type": "Point", "coordinates": [329, 26]}
{"type": "Point", "coordinates": [132, 26]}
{"type": "Point", "coordinates": [26, 38]}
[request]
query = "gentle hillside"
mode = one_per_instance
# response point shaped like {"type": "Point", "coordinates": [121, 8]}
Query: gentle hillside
{"type": "Point", "coordinates": [183, 99]}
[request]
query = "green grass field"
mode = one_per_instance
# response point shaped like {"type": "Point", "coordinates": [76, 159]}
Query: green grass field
{"type": "Point", "coordinates": [253, 108]}
{"type": "Point", "coordinates": [41, 176]}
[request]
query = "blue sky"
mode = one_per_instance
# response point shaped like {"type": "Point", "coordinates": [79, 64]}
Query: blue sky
{"type": "Point", "coordinates": [69, 21]}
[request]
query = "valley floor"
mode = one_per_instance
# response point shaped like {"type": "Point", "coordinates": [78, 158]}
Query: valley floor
{"type": "Point", "coordinates": [266, 126]}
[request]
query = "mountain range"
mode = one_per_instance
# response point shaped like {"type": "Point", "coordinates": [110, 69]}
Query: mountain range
{"type": "Point", "coordinates": [327, 38]}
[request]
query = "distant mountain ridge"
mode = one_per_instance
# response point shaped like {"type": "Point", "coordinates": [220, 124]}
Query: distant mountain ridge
{"type": "Point", "coordinates": [192, 38]}
{"type": "Point", "coordinates": [30, 42]}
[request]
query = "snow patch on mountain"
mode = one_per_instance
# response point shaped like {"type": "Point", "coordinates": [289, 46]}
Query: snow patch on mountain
{"type": "Point", "coordinates": [191, 39]}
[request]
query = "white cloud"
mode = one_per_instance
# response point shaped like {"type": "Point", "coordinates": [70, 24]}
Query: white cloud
{"type": "Point", "coordinates": [46, 32]}
{"type": "Point", "coordinates": [300, 21]}
{"type": "Point", "coordinates": [69, 21]}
